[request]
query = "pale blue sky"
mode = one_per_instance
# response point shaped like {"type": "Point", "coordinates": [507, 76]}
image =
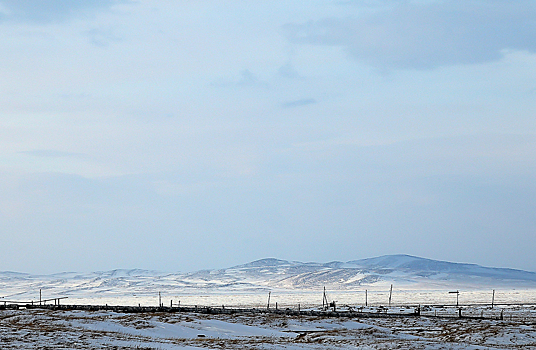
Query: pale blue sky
{"type": "Point", "coordinates": [180, 135]}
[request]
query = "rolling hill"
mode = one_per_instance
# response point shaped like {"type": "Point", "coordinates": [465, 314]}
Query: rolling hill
{"type": "Point", "coordinates": [406, 272]}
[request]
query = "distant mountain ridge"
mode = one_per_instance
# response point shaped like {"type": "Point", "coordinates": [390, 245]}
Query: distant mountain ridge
{"type": "Point", "coordinates": [403, 262]}
{"type": "Point", "coordinates": [404, 271]}
{"type": "Point", "coordinates": [412, 263]}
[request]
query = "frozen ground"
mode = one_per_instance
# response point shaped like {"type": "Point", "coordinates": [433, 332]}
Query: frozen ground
{"type": "Point", "coordinates": [44, 329]}
{"type": "Point", "coordinates": [292, 285]}
{"type": "Point", "coordinates": [285, 298]}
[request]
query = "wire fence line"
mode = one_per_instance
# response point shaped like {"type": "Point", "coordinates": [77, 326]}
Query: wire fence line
{"type": "Point", "coordinates": [525, 314]}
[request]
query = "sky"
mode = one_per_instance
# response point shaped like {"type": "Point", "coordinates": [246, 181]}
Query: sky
{"type": "Point", "coordinates": [186, 135]}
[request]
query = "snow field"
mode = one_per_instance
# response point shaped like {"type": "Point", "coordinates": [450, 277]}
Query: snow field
{"type": "Point", "coordinates": [40, 329]}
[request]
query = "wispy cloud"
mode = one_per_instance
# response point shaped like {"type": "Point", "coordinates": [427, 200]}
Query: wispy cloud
{"type": "Point", "coordinates": [102, 37]}
{"type": "Point", "coordinates": [205, 125]}
{"type": "Point", "coordinates": [288, 71]}
{"type": "Point", "coordinates": [46, 11]}
{"type": "Point", "coordinates": [246, 79]}
{"type": "Point", "coordinates": [299, 103]}
{"type": "Point", "coordinates": [424, 35]}
{"type": "Point", "coordinates": [54, 154]}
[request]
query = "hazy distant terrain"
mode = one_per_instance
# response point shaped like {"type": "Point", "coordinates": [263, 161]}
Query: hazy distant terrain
{"type": "Point", "coordinates": [348, 279]}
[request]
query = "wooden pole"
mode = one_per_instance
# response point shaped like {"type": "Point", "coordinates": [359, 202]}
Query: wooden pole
{"type": "Point", "coordinates": [39, 296]}
{"type": "Point", "coordinates": [457, 296]}
{"type": "Point", "coordinates": [325, 303]}
{"type": "Point", "coordinates": [366, 297]}
{"type": "Point", "coordinates": [493, 299]}
{"type": "Point", "coordinates": [268, 306]}
{"type": "Point", "coordinates": [390, 295]}
{"type": "Point", "coordinates": [159, 300]}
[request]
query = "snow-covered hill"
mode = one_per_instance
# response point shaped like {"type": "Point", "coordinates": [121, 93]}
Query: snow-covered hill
{"type": "Point", "coordinates": [404, 271]}
{"type": "Point", "coordinates": [428, 267]}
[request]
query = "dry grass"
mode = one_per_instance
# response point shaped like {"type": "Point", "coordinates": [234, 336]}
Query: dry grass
{"type": "Point", "coordinates": [40, 329]}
